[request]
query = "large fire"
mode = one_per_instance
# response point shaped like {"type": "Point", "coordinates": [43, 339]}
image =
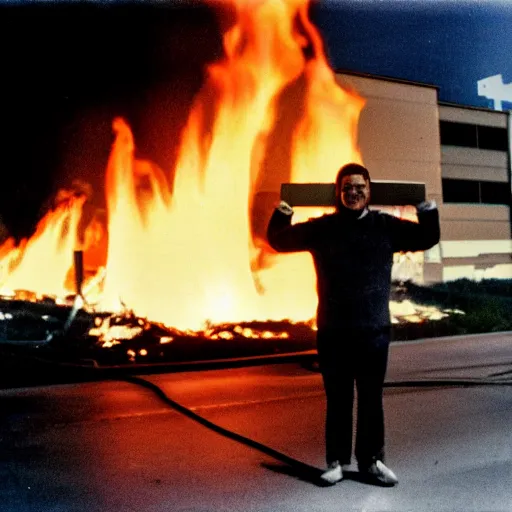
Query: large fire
{"type": "Point", "coordinates": [185, 255]}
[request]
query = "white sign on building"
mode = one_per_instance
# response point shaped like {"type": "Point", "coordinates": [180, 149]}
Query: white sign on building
{"type": "Point", "coordinates": [494, 89]}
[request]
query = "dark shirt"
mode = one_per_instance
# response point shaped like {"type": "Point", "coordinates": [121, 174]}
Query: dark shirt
{"type": "Point", "coordinates": [353, 258]}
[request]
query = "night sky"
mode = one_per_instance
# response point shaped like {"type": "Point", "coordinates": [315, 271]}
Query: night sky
{"type": "Point", "coordinates": [68, 70]}
{"type": "Point", "coordinates": [448, 43]}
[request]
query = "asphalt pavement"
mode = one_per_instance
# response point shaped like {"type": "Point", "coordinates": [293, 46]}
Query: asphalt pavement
{"type": "Point", "coordinates": [251, 439]}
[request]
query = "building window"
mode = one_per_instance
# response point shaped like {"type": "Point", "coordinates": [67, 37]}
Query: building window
{"type": "Point", "coordinates": [490, 137]}
{"type": "Point", "coordinates": [473, 136]}
{"type": "Point", "coordinates": [458, 134]}
{"type": "Point", "coordinates": [470, 191]}
{"type": "Point", "coordinates": [494, 193]}
{"type": "Point", "coordinates": [461, 191]}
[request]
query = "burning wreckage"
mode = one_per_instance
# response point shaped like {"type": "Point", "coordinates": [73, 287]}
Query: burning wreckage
{"type": "Point", "coordinates": [71, 331]}
{"type": "Point", "coordinates": [179, 268]}
{"type": "Point", "coordinates": [75, 333]}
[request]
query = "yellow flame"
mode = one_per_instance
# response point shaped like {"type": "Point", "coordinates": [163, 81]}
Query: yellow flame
{"type": "Point", "coordinates": [269, 111]}
{"type": "Point", "coordinates": [42, 264]}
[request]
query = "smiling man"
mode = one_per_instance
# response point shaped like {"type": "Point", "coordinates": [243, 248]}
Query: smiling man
{"type": "Point", "coordinates": [352, 251]}
{"type": "Point", "coordinates": [353, 191]}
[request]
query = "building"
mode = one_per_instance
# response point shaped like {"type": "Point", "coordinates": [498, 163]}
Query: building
{"type": "Point", "coordinates": [461, 154]}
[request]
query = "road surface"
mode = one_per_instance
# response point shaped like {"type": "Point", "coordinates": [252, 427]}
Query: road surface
{"type": "Point", "coordinates": [117, 446]}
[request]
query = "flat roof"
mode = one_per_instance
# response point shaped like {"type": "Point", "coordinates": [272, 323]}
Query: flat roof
{"type": "Point", "coordinates": [471, 107]}
{"type": "Point", "coordinates": [385, 78]}
{"type": "Point", "coordinates": [419, 84]}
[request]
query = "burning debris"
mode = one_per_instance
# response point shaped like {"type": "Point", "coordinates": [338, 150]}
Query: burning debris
{"type": "Point", "coordinates": [78, 333]}
{"type": "Point", "coordinates": [179, 244]}
{"type": "Point", "coordinates": [179, 264]}
{"type": "Point", "coordinates": [408, 312]}
{"type": "Point", "coordinates": [145, 341]}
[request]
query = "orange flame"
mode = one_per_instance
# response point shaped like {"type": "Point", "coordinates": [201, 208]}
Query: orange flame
{"type": "Point", "coordinates": [184, 258]}
{"type": "Point", "coordinates": [42, 263]}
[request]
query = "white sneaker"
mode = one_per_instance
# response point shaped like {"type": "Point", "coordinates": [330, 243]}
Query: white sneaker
{"type": "Point", "coordinates": [333, 474]}
{"type": "Point", "coordinates": [382, 473]}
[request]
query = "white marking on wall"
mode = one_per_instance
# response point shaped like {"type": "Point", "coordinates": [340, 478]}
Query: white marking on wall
{"type": "Point", "coordinates": [494, 89]}
{"type": "Point", "coordinates": [474, 248]}
{"type": "Point", "coordinates": [474, 273]}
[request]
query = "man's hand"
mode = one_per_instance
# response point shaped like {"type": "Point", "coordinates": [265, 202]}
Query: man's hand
{"type": "Point", "coordinates": [285, 208]}
{"type": "Point", "coordinates": [426, 206]}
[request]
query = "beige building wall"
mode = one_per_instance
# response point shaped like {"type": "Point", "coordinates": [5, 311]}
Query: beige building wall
{"type": "Point", "coordinates": [475, 238]}
{"type": "Point", "coordinates": [399, 140]}
{"type": "Point", "coordinates": [399, 131]}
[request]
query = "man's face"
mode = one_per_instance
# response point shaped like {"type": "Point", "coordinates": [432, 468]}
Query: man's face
{"type": "Point", "coordinates": [355, 192]}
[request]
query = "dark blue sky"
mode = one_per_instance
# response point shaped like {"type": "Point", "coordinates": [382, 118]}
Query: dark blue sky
{"type": "Point", "coordinates": [446, 43]}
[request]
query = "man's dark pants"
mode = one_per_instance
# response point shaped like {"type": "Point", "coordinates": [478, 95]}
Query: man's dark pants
{"type": "Point", "coordinates": [346, 357]}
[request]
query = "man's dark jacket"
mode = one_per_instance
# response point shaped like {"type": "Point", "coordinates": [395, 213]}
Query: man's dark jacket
{"type": "Point", "coordinates": [353, 258]}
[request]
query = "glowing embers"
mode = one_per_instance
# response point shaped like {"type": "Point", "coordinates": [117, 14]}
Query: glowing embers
{"type": "Point", "coordinates": [116, 328]}
{"type": "Point", "coordinates": [111, 330]}
{"type": "Point", "coordinates": [127, 339]}
{"type": "Point", "coordinates": [109, 335]}
{"type": "Point", "coordinates": [406, 311]}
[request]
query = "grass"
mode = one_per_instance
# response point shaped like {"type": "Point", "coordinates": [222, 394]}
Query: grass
{"type": "Point", "coordinates": [487, 304]}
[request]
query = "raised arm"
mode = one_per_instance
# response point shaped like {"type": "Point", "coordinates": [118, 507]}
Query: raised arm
{"type": "Point", "coordinates": [420, 236]}
{"type": "Point", "coordinates": [283, 237]}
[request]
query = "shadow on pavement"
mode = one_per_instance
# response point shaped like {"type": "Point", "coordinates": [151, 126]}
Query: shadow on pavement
{"type": "Point", "coordinates": [364, 479]}
{"type": "Point", "coordinates": [311, 474]}
{"type": "Point", "coordinates": [298, 470]}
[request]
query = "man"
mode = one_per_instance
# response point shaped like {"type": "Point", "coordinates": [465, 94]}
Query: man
{"type": "Point", "coordinates": [352, 251]}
